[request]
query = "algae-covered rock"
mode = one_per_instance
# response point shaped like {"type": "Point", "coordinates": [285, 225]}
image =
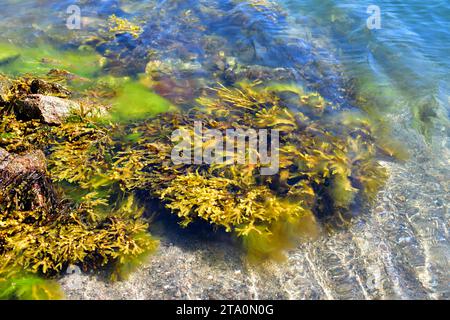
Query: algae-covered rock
{"type": "Point", "coordinates": [27, 169]}
{"type": "Point", "coordinates": [51, 110]}
{"type": "Point", "coordinates": [41, 230]}
{"type": "Point", "coordinates": [40, 234]}
{"type": "Point", "coordinates": [21, 164]}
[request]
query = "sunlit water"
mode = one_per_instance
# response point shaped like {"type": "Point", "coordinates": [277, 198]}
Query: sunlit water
{"type": "Point", "coordinates": [400, 249]}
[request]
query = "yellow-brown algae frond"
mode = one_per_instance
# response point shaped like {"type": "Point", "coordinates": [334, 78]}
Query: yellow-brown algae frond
{"type": "Point", "coordinates": [81, 155]}
{"type": "Point", "coordinates": [222, 201]}
{"type": "Point", "coordinates": [120, 25]}
{"type": "Point", "coordinates": [41, 231]}
{"type": "Point", "coordinates": [376, 128]}
{"type": "Point", "coordinates": [283, 234]}
{"type": "Point", "coordinates": [323, 166]}
{"type": "Point", "coordinates": [45, 238]}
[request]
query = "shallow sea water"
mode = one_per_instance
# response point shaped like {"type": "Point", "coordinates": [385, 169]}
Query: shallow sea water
{"type": "Point", "coordinates": [399, 248]}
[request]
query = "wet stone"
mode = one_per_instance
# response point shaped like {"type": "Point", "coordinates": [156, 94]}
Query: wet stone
{"type": "Point", "coordinates": [51, 110]}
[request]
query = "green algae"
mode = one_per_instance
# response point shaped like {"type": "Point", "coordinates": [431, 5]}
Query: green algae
{"type": "Point", "coordinates": [41, 59]}
{"type": "Point", "coordinates": [134, 102]}
{"type": "Point", "coordinates": [8, 55]}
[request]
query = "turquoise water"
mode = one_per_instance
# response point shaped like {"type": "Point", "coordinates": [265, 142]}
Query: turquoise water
{"type": "Point", "coordinates": [401, 71]}
{"type": "Point", "coordinates": [407, 59]}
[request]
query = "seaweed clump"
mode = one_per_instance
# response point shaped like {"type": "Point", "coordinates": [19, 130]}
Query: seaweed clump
{"type": "Point", "coordinates": [43, 228]}
{"type": "Point", "coordinates": [107, 171]}
{"type": "Point", "coordinates": [328, 165]}
{"type": "Point", "coordinates": [119, 26]}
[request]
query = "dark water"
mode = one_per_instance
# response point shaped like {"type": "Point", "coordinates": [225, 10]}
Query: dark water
{"type": "Point", "coordinates": [401, 249]}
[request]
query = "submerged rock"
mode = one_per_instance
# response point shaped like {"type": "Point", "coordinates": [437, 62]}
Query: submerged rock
{"type": "Point", "coordinates": [39, 86]}
{"type": "Point", "coordinates": [29, 170]}
{"type": "Point", "coordinates": [52, 110]}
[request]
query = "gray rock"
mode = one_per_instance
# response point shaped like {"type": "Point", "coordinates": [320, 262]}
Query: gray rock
{"type": "Point", "coordinates": [51, 110]}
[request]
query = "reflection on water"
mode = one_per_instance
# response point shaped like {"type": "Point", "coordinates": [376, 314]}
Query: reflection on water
{"type": "Point", "coordinates": [404, 63]}
{"type": "Point", "coordinates": [401, 249]}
